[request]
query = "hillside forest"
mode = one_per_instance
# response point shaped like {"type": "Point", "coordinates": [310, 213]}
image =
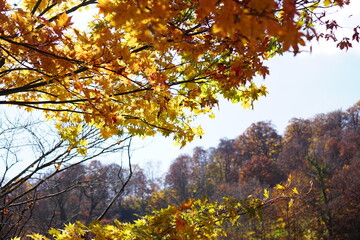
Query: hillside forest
{"type": "Point", "coordinates": [100, 72]}
{"type": "Point", "coordinates": [319, 157]}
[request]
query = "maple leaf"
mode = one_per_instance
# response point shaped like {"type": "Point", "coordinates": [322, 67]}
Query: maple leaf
{"type": "Point", "coordinates": [63, 20]}
{"type": "Point", "coordinates": [144, 68]}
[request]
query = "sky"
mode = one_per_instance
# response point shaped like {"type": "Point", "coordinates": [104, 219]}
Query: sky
{"type": "Point", "coordinates": [325, 80]}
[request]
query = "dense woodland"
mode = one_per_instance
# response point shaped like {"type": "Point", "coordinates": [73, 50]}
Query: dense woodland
{"type": "Point", "coordinates": [145, 68]}
{"type": "Point", "coordinates": [320, 156]}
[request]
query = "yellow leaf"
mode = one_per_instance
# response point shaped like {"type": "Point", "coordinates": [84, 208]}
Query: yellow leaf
{"type": "Point", "coordinates": [289, 179]}
{"type": "Point", "coordinates": [83, 142]}
{"type": "Point", "coordinates": [212, 116]}
{"type": "Point", "coordinates": [291, 203]}
{"type": "Point", "coordinates": [82, 150]}
{"type": "Point", "coordinates": [266, 193]}
{"type": "Point", "coordinates": [217, 28]}
{"type": "Point", "coordinates": [63, 20]}
{"type": "Point", "coordinates": [250, 233]}
{"type": "Point", "coordinates": [36, 236]}
{"type": "Point", "coordinates": [327, 3]}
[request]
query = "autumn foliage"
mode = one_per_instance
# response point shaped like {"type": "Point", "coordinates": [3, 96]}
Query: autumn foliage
{"type": "Point", "coordinates": [143, 67]}
{"type": "Point", "coordinates": [307, 188]}
{"type": "Point", "coordinates": [138, 68]}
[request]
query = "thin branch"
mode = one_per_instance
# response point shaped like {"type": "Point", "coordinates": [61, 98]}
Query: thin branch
{"type": "Point", "coordinates": [22, 89]}
{"type": "Point", "coordinates": [102, 215]}
{"type": "Point", "coordinates": [48, 8]}
{"type": "Point", "coordinates": [19, 179]}
{"type": "Point", "coordinates": [71, 10]}
{"type": "Point", "coordinates": [40, 51]}
{"type": "Point", "coordinates": [37, 4]}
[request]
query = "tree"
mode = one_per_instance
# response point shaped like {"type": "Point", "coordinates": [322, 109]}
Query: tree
{"type": "Point", "coordinates": [66, 203]}
{"type": "Point", "coordinates": [262, 139]}
{"type": "Point", "coordinates": [141, 68]}
{"type": "Point", "coordinates": [346, 186]}
{"type": "Point", "coordinates": [178, 177]}
{"type": "Point", "coordinates": [260, 147]}
{"type": "Point", "coordinates": [319, 199]}
{"type": "Point", "coordinates": [265, 170]}
{"type": "Point", "coordinates": [192, 219]}
{"type": "Point", "coordinates": [331, 150]}
{"type": "Point", "coordinates": [227, 156]}
{"type": "Point", "coordinates": [203, 180]}
{"type": "Point", "coordinates": [296, 143]}
{"type": "Point", "coordinates": [36, 165]}
{"type": "Point", "coordinates": [146, 66]}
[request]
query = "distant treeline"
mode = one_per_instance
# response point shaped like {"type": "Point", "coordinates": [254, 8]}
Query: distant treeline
{"type": "Point", "coordinates": [321, 157]}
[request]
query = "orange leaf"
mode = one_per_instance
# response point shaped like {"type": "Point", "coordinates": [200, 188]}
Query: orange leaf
{"type": "Point", "coordinates": [187, 205]}
{"type": "Point", "coordinates": [180, 224]}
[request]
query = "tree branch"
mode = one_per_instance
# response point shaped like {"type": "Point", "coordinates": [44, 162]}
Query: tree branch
{"type": "Point", "coordinates": [102, 215]}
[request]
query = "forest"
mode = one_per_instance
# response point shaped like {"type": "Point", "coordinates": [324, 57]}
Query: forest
{"type": "Point", "coordinates": [79, 79]}
{"type": "Point", "coordinates": [314, 164]}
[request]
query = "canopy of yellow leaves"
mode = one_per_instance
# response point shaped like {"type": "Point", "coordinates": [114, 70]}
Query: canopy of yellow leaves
{"type": "Point", "coordinates": [145, 66]}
